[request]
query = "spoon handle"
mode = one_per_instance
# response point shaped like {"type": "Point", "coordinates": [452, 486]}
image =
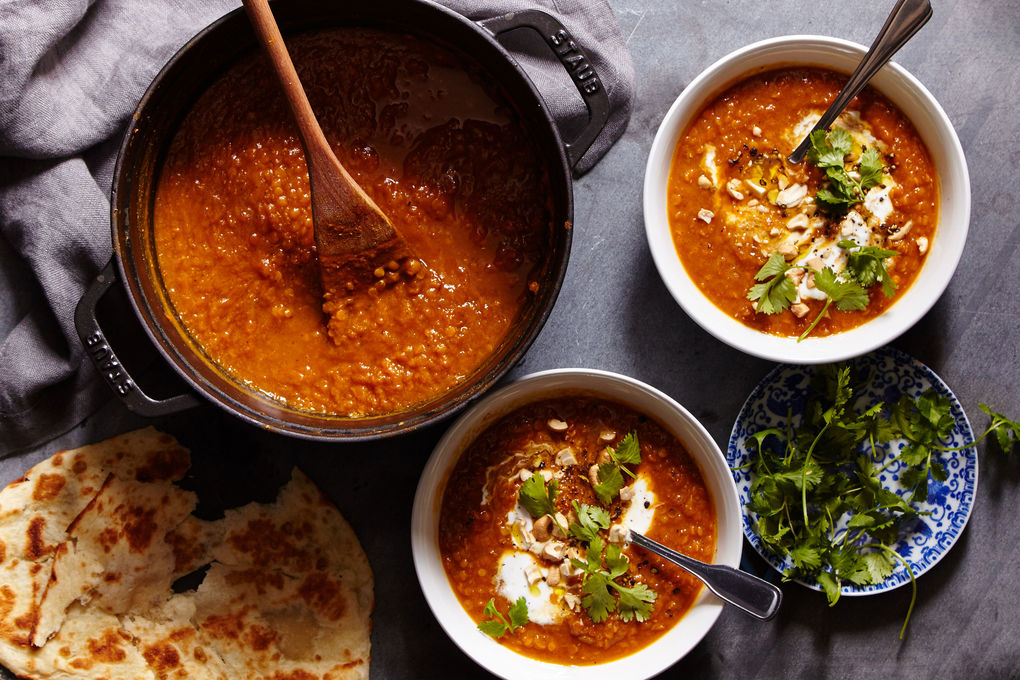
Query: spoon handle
{"type": "Point", "coordinates": [756, 597]}
{"type": "Point", "coordinates": [261, 17]}
{"type": "Point", "coordinates": [906, 19]}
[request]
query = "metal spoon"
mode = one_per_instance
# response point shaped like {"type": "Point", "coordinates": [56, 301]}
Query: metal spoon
{"type": "Point", "coordinates": [906, 19]}
{"type": "Point", "coordinates": [756, 597]}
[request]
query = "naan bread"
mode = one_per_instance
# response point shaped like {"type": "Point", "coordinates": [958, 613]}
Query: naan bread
{"type": "Point", "coordinates": [91, 541]}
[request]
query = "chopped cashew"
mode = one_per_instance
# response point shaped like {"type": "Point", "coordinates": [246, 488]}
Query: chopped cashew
{"type": "Point", "coordinates": [626, 493]}
{"type": "Point", "coordinates": [572, 601]}
{"type": "Point", "coordinates": [756, 187]}
{"type": "Point", "coordinates": [618, 533]}
{"type": "Point", "coordinates": [704, 182]}
{"type": "Point", "coordinates": [527, 538]}
{"type": "Point", "coordinates": [705, 216]}
{"type": "Point", "coordinates": [525, 475]}
{"type": "Point", "coordinates": [796, 275]}
{"type": "Point", "coordinates": [547, 475]}
{"type": "Point", "coordinates": [593, 474]}
{"type": "Point", "coordinates": [552, 577]}
{"type": "Point", "coordinates": [561, 521]}
{"type": "Point", "coordinates": [788, 251]}
{"type": "Point", "coordinates": [733, 189]}
{"type": "Point", "coordinates": [922, 245]}
{"type": "Point", "coordinates": [816, 263]}
{"type": "Point", "coordinates": [799, 309]}
{"type": "Point", "coordinates": [543, 527]}
{"type": "Point", "coordinates": [901, 232]}
{"type": "Point", "coordinates": [554, 550]}
{"type": "Point", "coordinates": [604, 456]}
{"type": "Point", "coordinates": [756, 131]}
{"type": "Point", "coordinates": [557, 425]}
{"type": "Point", "coordinates": [798, 223]}
{"type": "Point", "coordinates": [607, 435]}
{"type": "Point", "coordinates": [533, 573]}
{"type": "Point", "coordinates": [566, 457]}
{"type": "Point", "coordinates": [792, 196]}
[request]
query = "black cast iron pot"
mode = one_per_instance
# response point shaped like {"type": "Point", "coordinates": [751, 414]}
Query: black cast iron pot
{"type": "Point", "coordinates": [164, 105]}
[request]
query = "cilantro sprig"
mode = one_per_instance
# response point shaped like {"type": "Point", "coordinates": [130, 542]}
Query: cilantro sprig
{"type": "Point", "coordinates": [818, 496]}
{"type": "Point", "coordinates": [848, 295]}
{"type": "Point", "coordinates": [828, 151]}
{"type": "Point", "coordinates": [775, 291]}
{"type": "Point", "coordinates": [610, 473]}
{"type": "Point", "coordinates": [498, 625]}
{"type": "Point", "coordinates": [602, 567]}
{"type": "Point", "coordinates": [538, 498]}
{"type": "Point", "coordinates": [866, 264]}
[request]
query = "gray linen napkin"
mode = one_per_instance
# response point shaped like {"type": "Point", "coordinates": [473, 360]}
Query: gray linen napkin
{"type": "Point", "coordinates": [72, 72]}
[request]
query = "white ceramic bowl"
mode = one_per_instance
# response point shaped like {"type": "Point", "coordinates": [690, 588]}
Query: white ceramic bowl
{"type": "Point", "coordinates": [935, 129]}
{"type": "Point", "coordinates": [425, 523]}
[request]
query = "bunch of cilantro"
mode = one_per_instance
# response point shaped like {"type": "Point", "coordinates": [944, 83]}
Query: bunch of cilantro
{"type": "Point", "coordinates": [819, 498]}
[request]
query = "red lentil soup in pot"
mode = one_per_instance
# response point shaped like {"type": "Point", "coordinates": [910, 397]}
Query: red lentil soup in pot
{"type": "Point", "coordinates": [534, 522]}
{"type": "Point", "coordinates": [868, 195]}
{"type": "Point", "coordinates": [438, 148]}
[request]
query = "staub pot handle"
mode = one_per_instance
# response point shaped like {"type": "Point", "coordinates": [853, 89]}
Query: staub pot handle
{"type": "Point", "coordinates": [577, 64]}
{"type": "Point", "coordinates": [105, 359]}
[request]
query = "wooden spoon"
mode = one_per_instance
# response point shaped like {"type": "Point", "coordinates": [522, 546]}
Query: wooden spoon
{"type": "Point", "coordinates": [356, 243]}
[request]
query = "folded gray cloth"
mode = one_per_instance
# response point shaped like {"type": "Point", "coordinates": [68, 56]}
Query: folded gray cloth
{"type": "Point", "coordinates": [72, 73]}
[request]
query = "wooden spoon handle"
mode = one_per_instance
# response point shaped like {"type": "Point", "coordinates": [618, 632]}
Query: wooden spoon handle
{"type": "Point", "coordinates": [317, 150]}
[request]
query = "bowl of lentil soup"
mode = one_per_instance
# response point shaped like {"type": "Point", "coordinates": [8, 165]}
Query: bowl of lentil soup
{"type": "Point", "coordinates": [727, 218]}
{"type": "Point", "coordinates": [482, 558]}
{"type": "Point", "coordinates": [212, 221]}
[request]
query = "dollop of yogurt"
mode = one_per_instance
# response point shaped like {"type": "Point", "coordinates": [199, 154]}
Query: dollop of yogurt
{"type": "Point", "coordinates": [512, 583]}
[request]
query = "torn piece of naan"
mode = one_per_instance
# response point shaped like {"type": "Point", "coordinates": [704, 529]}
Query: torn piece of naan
{"type": "Point", "coordinates": [92, 540]}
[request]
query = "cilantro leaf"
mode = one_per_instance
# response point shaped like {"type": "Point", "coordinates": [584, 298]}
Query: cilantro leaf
{"type": "Point", "coordinates": [848, 295]}
{"type": "Point", "coordinates": [828, 151]}
{"type": "Point", "coordinates": [536, 497]}
{"type": "Point", "coordinates": [610, 482]}
{"type": "Point", "coordinates": [776, 291]}
{"type": "Point", "coordinates": [597, 600]}
{"type": "Point", "coordinates": [497, 625]}
{"type": "Point", "coordinates": [493, 628]}
{"type": "Point", "coordinates": [628, 451]}
{"type": "Point", "coordinates": [806, 557]}
{"type": "Point", "coordinates": [518, 614]}
{"type": "Point", "coordinates": [843, 185]}
{"type": "Point", "coordinates": [616, 561]}
{"type": "Point", "coordinates": [867, 265]}
{"type": "Point", "coordinates": [828, 148]}
{"type": "Point", "coordinates": [635, 602]}
{"type": "Point", "coordinates": [870, 168]}
{"type": "Point", "coordinates": [590, 520]}
{"type": "Point", "coordinates": [879, 566]}
{"type": "Point", "coordinates": [1007, 432]}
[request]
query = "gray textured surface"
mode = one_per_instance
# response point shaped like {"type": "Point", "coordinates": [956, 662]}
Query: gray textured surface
{"type": "Point", "coordinates": [614, 313]}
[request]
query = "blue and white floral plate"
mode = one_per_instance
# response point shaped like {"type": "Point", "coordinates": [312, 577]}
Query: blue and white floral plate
{"type": "Point", "coordinates": [926, 539]}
